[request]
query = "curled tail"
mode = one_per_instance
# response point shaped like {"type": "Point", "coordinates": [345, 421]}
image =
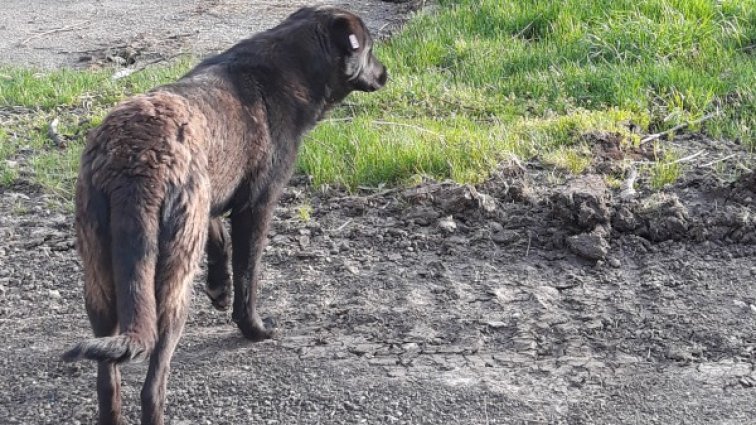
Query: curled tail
{"type": "Point", "coordinates": [134, 231]}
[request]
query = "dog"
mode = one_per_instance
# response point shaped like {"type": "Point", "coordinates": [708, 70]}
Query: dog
{"type": "Point", "coordinates": [162, 169]}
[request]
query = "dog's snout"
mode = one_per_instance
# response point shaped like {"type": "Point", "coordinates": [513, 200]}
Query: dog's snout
{"type": "Point", "coordinates": [378, 79]}
{"type": "Point", "coordinates": [383, 78]}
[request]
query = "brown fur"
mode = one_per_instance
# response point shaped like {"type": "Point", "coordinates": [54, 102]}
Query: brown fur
{"type": "Point", "coordinates": [163, 167]}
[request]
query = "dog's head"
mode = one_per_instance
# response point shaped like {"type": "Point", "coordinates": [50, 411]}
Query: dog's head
{"type": "Point", "coordinates": [349, 42]}
{"type": "Point", "coordinates": [355, 45]}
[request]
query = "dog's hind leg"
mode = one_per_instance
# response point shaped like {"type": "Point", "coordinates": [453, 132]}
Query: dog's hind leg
{"type": "Point", "coordinates": [94, 245]}
{"type": "Point", "coordinates": [183, 233]}
{"type": "Point", "coordinates": [105, 323]}
{"type": "Point", "coordinates": [218, 273]}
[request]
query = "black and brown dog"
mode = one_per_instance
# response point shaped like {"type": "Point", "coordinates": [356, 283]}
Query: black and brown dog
{"type": "Point", "coordinates": [163, 167]}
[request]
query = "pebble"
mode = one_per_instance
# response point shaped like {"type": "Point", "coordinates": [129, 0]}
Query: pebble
{"type": "Point", "coordinates": [447, 224]}
{"type": "Point", "coordinates": [496, 227]}
{"type": "Point", "coordinates": [505, 237]}
{"type": "Point", "coordinates": [495, 324]}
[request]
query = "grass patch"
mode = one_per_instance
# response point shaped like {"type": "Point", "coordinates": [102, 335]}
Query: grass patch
{"type": "Point", "coordinates": [572, 160]}
{"type": "Point", "coordinates": [475, 81]}
{"type": "Point", "coordinates": [490, 78]}
{"type": "Point", "coordinates": [665, 171]}
{"type": "Point", "coordinates": [30, 88]}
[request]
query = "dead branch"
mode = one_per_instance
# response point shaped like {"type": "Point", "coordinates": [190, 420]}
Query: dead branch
{"type": "Point", "coordinates": [652, 137]}
{"type": "Point", "coordinates": [677, 161]}
{"type": "Point", "coordinates": [717, 161]}
{"type": "Point", "coordinates": [689, 157]}
{"type": "Point", "coordinates": [125, 72]}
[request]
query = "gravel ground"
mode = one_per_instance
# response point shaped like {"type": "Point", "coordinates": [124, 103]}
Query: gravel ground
{"type": "Point", "coordinates": [56, 33]}
{"type": "Point", "coordinates": [533, 298]}
{"type": "Point", "coordinates": [435, 304]}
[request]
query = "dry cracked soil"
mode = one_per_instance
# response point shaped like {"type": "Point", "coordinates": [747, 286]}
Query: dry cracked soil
{"type": "Point", "coordinates": [531, 298]}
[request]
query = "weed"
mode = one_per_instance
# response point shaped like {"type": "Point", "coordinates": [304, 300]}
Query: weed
{"type": "Point", "coordinates": [304, 212]}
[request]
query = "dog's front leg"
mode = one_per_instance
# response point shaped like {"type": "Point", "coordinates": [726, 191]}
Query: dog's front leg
{"type": "Point", "coordinates": [249, 228]}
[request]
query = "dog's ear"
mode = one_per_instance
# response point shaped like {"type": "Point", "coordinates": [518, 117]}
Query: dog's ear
{"type": "Point", "coordinates": [347, 33]}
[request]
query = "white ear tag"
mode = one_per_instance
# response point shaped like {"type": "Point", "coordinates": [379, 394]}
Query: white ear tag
{"type": "Point", "coordinates": [353, 41]}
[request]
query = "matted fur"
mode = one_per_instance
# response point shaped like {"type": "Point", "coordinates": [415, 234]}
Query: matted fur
{"type": "Point", "coordinates": [163, 167]}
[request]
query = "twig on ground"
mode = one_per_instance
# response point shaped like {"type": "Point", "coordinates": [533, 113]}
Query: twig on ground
{"type": "Point", "coordinates": [627, 189]}
{"type": "Point", "coordinates": [527, 27]}
{"type": "Point", "coordinates": [689, 157]}
{"type": "Point", "coordinates": [527, 250]}
{"type": "Point", "coordinates": [53, 31]}
{"type": "Point", "coordinates": [52, 133]}
{"type": "Point", "coordinates": [340, 228]}
{"type": "Point", "coordinates": [655, 136]}
{"type": "Point", "coordinates": [677, 161]}
{"type": "Point", "coordinates": [717, 161]}
{"type": "Point", "coordinates": [125, 72]}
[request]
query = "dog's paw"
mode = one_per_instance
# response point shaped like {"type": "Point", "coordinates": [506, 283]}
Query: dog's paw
{"type": "Point", "coordinates": [221, 298]}
{"type": "Point", "coordinates": [257, 330]}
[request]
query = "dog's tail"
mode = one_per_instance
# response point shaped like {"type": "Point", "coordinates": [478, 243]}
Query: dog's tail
{"type": "Point", "coordinates": [134, 225]}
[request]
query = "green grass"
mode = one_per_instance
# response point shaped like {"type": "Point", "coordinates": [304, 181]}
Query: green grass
{"type": "Point", "coordinates": [487, 78]}
{"type": "Point", "coordinates": [77, 88]}
{"type": "Point", "coordinates": [665, 171]}
{"type": "Point", "coordinates": [475, 81]}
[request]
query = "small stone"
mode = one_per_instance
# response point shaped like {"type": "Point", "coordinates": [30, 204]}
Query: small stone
{"type": "Point", "coordinates": [505, 237]}
{"type": "Point", "coordinates": [486, 202]}
{"type": "Point", "coordinates": [615, 263]}
{"type": "Point", "coordinates": [591, 246]}
{"type": "Point", "coordinates": [496, 227]}
{"type": "Point", "coordinates": [54, 294]}
{"type": "Point", "coordinates": [447, 224]}
{"type": "Point", "coordinates": [495, 324]}
{"type": "Point", "coordinates": [739, 304]}
{"type": "Point", "coordinates": [280, 240]}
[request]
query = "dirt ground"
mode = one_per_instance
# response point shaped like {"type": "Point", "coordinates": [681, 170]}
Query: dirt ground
{"type": "Point", "coordinates": [532, 298]}
{"type": "Point", "coordinates": [54, 33]}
